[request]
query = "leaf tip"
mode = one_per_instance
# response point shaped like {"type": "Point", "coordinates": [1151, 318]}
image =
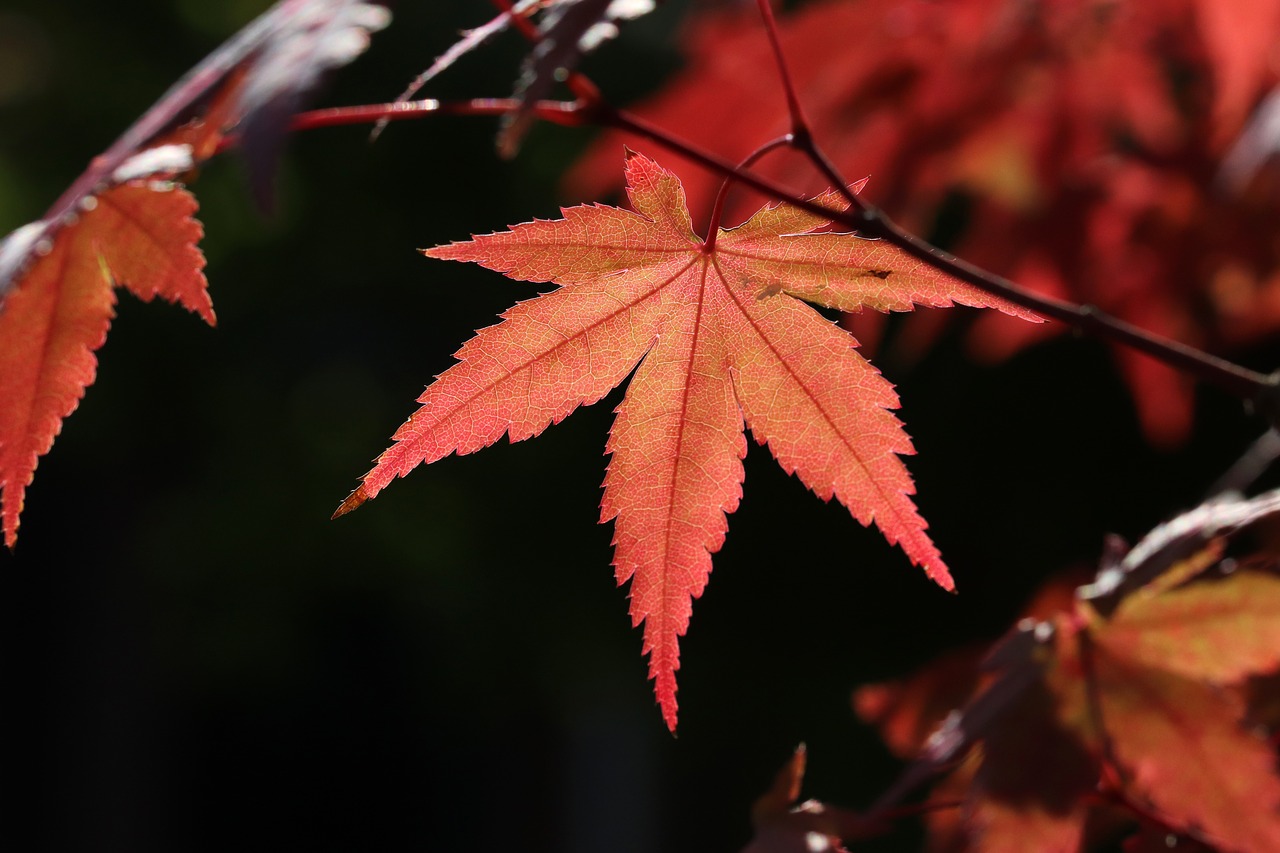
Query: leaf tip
{"type": "Point", "coordinates": [943, 579]}
{"type": "Point", "coordinates": [354, 501]}
{"type": "Point", "coordinates": [667, 703]}
{"type": "Point", "coordinates": [12, 512]}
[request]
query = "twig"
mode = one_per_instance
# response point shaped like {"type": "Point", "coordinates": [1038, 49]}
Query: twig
{"type": "Point", "coordinates": [565, 113]}
{"type": "Point", "coordinates": [713, 225]}
{"type": "Point", "coordinates": [1261, 390]}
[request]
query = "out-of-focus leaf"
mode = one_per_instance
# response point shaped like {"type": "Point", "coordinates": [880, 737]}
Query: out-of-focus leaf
{"type": "Point", "coordinates": [1076, 134]}
{"type": "Point", "coordinates": [311, 38]}
{"type": "Point", "coordinates": [1220, 632]}
{"type": "Point", "coordinates": [569, 29]}
{"type": "Point", "coordinates": [1031, 790]}
{"type": "Point", "coordinates": [781, 826]}
{"type": "Point", "coordinates": [1184, 748]}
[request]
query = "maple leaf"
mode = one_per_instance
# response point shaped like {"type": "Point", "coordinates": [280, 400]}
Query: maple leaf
{"type": "Point", "coordinates": [720, 338]}
{"type": "Point", "coordinates": [1181, 743]}
{"type": "Point", "coordinates": [1218, 632]}
{"type": "Point", "coordinates": [112, 226]}
{"type": "Point", "coordinates": [140, 235]}
{"type": "Point", "coordinates": [1135, 688]}
{"type": "Point", "coordinates": [1016, 805]}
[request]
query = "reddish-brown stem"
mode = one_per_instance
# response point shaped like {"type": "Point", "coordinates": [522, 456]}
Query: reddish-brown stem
{"type": "Point", "coordinates": [799, 123]}
{"type": "Point", "coordinates": [801, 134]}
{"type": "Point", "coordinates": [558, 112]}
{"type": "Point", "coordinates": [1259, 388]}
{"type": "Point", "coordinates": [713, 226]}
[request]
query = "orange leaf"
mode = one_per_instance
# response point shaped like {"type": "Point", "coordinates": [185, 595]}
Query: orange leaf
{"type": "Point", "coordinates": [721, 340]}
{"type": "Point", "coordinates": [1221, 631]}
{"type": "Point", "coordinates": [139, 235]}
{"type": "Point", "coordinates": [1183, 747]}
{"type": "Point", "coordinates": [1080, 135]}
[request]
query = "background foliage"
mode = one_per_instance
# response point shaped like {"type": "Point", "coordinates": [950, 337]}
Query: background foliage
{"type": "Point", "coordinates": [196, 657]}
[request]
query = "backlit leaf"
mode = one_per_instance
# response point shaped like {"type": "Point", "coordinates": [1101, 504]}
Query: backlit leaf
{"type": "Point", "coordinates": [140, 236]}
{"type": "Point", "coordinates": [718, 339]}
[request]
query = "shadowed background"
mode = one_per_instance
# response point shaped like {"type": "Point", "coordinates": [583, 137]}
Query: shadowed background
{"type": "Point", "coordinates": [195, 657]}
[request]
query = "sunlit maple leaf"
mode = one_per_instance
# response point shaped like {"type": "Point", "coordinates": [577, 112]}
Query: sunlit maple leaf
{"type": "Point", "coordinates": [139, 235]}
{"type": "Point", "coordinates": [721, 338]}
{"type": "Point", "coordinates": [114, 226]}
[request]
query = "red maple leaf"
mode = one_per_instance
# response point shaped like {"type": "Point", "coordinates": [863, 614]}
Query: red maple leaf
{"type": "Point", "coordinates": [139, 235]}
{"type": "Point", "coordinates": [1181, 743]}
{"type": "Point", "coordinates": [112, 226]}
{"type": "Point", "coordinates": [721, 338]}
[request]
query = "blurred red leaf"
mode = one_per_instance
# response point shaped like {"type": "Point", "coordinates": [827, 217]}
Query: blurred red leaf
{"type": "Point", "coordinates": [1124, 715]}
{"type": "Point", "coordinates": [1219, 632]}
{"type": "Point", "coordinates": [1085, 136]}
{"type": "Point", "coordinates": [1181, 745]}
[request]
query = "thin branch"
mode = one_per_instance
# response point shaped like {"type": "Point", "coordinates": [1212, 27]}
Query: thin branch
{"type": "Point", "coordinates": [1261, 389]}
{"type": "Point", "coordinates": [802, 138]}
{"type": "Point", "coordinates": [566, 113]}
{"type": "Point", "coordinates": [713, 225]}
{"type": "Point", "coordinates": [799, 122]}
{"type": "Point", "coordinates": [869, 221]}
{"type": "Point", "coordinates": [1264, 451]}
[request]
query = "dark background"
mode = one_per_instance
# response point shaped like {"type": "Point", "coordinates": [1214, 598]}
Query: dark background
{"type": "Point", "coordinates": [195, 658]}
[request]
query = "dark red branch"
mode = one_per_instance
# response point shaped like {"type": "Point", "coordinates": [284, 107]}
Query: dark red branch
{"type": "Point", "coordinates": [799, 123]}
{"type": "Point", "coordinates": [869, 221]}
{"type": "Point", "coordinates": [713, 225]}
{"type": "Point", "coordinates": [1260, 389]}
{"type": "Point", "coordinates": [557, 112]}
